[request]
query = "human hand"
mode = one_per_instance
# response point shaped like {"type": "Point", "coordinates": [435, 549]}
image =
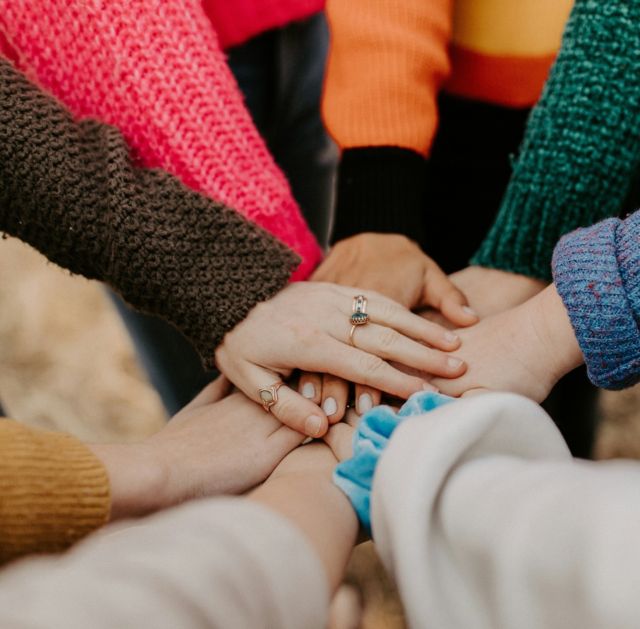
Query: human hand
{"type": "Point", "coordinates": [491, 291]}
{"type": "Point", "coordinates": [306, 326]}
{"type": "Point", "coordinates": [524, 350]}
{"type": "Point", "coordinates": [212, 446]}
{"type": "Point", "coordinates": [396, 267]}
{"type": "Point", "coordinates": [340, 436]}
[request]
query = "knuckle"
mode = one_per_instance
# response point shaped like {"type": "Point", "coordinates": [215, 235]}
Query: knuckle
{"type": "Point", "coordinates": [388, 338]}
{"type": "Point", "coordinates": [389, 311]}
{"type": "Point", "coordinates": [371, 364]}
{"type": "Point", "coordinates": [293, 410]}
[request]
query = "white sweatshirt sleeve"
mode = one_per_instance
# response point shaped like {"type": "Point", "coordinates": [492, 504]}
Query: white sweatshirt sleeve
{"type": "Point", "coordinates": [487, 522]}
{"type": "Point", "coordinates": [217, 563]}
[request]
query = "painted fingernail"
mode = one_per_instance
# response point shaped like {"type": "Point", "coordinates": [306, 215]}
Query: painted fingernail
{"type": "Point", "coordinates": [454, 363]}
{"type": "Point", "coordinates": [308, 391]}
{"type": "Point", "coordinates": [427, 386]}
{"type": "Point", "coordinates": [365, 403]}
{"type": "Point", "coordinates": [313, 425]}
{"type": "Point", "coordinates": [470, 311]}
{"type": "Point", "coordinates": [330, 406]}
{"type": "Point", "coordinates": [451, 337]}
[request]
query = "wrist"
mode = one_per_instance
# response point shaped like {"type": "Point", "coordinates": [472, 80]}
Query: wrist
{"type": "Point", "coordinates": [137, 479]}
{"type": "Point", "coordinates": [553, 328]}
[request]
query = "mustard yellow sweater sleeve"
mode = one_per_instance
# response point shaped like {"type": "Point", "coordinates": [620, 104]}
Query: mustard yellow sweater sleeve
{"type": "Point", "coordinates": [53, 491]}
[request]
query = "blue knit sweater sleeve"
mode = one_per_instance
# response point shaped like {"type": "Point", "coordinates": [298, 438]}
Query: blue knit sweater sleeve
{"type": "Point", "coordinates": [597, 274]}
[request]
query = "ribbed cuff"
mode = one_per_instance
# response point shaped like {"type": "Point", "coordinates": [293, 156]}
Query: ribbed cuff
{"type": "Point", "coordinates": [53, 491]}
{"type": "Point", "coordinates": [519, 241]}
{"type": "Point", "coordinates": [380, 189]}
{"type": "Point", "coordinates": [596, 274]}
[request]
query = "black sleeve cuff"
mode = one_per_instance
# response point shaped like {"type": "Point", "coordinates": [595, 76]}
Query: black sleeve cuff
{"type": "Point", "coordinates": [380, 189]}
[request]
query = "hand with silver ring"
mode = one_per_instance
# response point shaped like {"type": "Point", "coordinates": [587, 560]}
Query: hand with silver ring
{"type": "Point", "coordinates": [307, 326]}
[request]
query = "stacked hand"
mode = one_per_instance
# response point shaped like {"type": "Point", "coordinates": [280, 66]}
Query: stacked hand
{"type": "Point", "coordinates": [307, 326]}
{"type": "Point", "coordinates": [212, 446]}
{"type": "Point", "coordinates": [525, 350]}
{"type": "Point", "coordinates": [396, 267]}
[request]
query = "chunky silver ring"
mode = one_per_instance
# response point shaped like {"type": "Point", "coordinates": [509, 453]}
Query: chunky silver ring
{"type": "Point", "coordinates": [269, 395]}
{"type": "Point", "coordinates": [359, 316]}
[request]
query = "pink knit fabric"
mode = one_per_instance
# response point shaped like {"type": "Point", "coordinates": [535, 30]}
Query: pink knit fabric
{"type": "Point", "coordinates": [154, 69]}
{"type": "Point", "coordinates": [236, 21]}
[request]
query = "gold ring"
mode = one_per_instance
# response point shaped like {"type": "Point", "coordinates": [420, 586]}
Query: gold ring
{"type": "Point", "coordinates": [359, 308]}
{"type": "Point", "coordinates": [353, 329]}
{"type": "Point", "coordinates": [269, 395]}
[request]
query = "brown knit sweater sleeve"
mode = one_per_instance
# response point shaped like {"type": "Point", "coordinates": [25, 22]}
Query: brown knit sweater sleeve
{"type": "Point", "coordinates": [53, 491]}
{"type": "Point", "coordinates": [70, 190]}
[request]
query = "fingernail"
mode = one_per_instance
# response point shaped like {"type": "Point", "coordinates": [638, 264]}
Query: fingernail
{"type": "Point", "coordinates": [365, 403]}
{"type": "Point", "coordinates": [454, 363]}
{"type": "Point", "coordinates": [312, 425]}
{"type": "Point", "coordinates": [330, 406]}
{"type": "Point", "coordinates": [308, 391]}
{"type": "Point", "coordinates": [450, 337]}
{"type": "Point", "coordinates": [427, 386]}
{"type": "Point", "coordinates": [470, 311]}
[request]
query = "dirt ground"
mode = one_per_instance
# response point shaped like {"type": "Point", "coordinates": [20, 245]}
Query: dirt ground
{"type": "Point", "coordinates": [66, 364]}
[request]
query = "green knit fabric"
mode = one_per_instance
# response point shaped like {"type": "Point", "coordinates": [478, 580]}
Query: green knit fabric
{"type": "Point", "coordinates": [582, 143]}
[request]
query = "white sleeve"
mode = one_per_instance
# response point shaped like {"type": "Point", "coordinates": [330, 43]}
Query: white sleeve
{"type": "Point", "coordinates": [224, 563]}
{"type": "Point", "coordinates": [486, 522]}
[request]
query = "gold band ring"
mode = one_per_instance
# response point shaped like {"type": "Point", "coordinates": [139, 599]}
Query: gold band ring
{"type": "Point", "coordinates": [353, 329]}
{"type": "Point", "coordinates": [269, 395]}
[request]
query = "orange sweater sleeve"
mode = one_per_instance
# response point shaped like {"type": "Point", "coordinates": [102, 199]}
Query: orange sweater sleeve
{"type": "Point", "coordinates": [53, 491]}
{"type": "Point", "coordinates": [387, 61]}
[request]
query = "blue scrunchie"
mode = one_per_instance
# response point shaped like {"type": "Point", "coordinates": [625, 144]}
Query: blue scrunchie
{"type": "Point", "coordinates": [355, 475]}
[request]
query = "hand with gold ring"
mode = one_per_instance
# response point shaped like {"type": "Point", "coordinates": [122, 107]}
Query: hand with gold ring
{"type": "Point", "coordinates": [307, 326]}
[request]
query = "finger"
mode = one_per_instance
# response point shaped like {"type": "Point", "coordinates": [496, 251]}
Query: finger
{"type": "Point", "coordinates": [391, 345]}
{"type": "Point", "coordinates": [310, 386]}
{"type": "Point", "coordinates": [360, 367]}
{"type": "Point", "coordinates": [477, 391]}
{"type": "Point", "coordinates": [212, 393]}
{"type": "Point", "coordinates": [352, 418]}
{"type": "Point", "coordinates": [290, 408]}
{"type": "Point", "coordinates": [285, 439]}
{"type": "Point", "coordinates": [366, 398]}
{"type": "Point", "coordinates": [335, 392]}
{"type": "Point", "coordinates": [441, 293]}
{"type": "Point", "coordinates": [386, 312]}
{"type": "Point", "coordinates": [339, 439]}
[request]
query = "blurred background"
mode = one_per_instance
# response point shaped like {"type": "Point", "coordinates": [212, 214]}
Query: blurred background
{"type": "Point", "coordinates": [66, 364]}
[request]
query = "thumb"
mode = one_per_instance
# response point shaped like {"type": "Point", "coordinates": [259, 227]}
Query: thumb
{"type": "Point", "coordinates": [442, 294]}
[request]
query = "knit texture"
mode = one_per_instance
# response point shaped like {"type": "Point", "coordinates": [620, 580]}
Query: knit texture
{"type": "Point", "coordinates": [597, 274]}
{"type": "Point", "coordinates": [582, 144]}
{"type": "Point", "coordinates": [53, 491]}
{"type": "Point", "coordinates": [236, 22]}
{"type": "Point", "coordinates": [154, 69]}
{"type": "Point", "coordinates": [380, 189]}
{"type": "Point", "coordinates": [69, 190]}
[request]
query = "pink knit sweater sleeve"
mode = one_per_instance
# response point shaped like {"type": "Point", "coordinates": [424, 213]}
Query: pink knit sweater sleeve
{"type": "Point", "coordinates": [154, 69]}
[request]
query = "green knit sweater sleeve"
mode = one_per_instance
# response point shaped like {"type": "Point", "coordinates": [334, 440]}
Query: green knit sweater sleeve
{"type": "Point", "coordinates": [582, 143]}
{"type": "Point", "coordinates": [70, 190]}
